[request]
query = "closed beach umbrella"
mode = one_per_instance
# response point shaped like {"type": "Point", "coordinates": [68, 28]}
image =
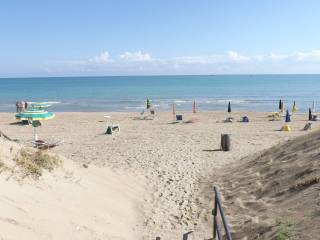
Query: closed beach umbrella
{"type": "Point", "coordinates": [310, 114]}
{"type": "Point", "coordinates": [229, 107]}
{"type": "Point", "coordinates": [280, 105]}
{"type": "Point", "coordinates": [288, 116]}
{"type": "Point", "coordinates": [148, 104]}
{"type": "Point", "coordinates": [294, 107]}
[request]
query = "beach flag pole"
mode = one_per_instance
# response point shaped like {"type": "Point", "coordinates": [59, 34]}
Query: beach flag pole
{"type": "Point", "coordinates": [194, 107]}
{"type": "Point", "coordinates": [173, 109]}
{"type": "Point", "coordinates": [313, 106]}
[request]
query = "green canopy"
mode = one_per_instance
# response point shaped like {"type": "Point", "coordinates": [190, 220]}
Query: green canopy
{"type": "Point", "coordinates": [33, 114]}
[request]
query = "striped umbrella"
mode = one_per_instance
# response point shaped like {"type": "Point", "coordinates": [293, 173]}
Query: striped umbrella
{"type": "Point", "coordinates": [35, 115]}
{"type": "Point", "coordinates": [32, 114]}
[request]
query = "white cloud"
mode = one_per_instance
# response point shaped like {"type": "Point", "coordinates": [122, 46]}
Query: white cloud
{"type": "Point", "coordinates": [103, 57]}
{"type": "Point", "coordinates": [230, 62]}
{"type": "Point", "coordinates": [310, 56]}
{"type": "Point", "coordinates": [135, 56]}
{"type": "Point", "coordinates": [234, 56]}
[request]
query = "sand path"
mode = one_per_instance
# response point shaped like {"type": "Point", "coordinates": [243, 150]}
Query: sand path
{"type": "Point", "coordinates": [175, 161]}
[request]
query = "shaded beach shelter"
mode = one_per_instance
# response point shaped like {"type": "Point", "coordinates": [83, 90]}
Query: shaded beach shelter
{"type": "Point", "coordinates": [229, 107]}
{"type": "Point", "coordinates": [35, 115]}
{"type": "Point", "coordinates": [148, 103]}
{"type": "Point", "coordinates": [288, 119]}
{"type": "Point", "coordinates": [310, 114]}
{"type": "Point", "coordinates": [294, 107]}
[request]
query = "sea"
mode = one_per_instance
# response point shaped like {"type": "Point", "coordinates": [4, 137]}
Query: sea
{"type": "Point", "coordinates": [129, 93]}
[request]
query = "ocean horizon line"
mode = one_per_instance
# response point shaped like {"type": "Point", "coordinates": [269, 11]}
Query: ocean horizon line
{"type": "Point", "coordinates": [162, 75]}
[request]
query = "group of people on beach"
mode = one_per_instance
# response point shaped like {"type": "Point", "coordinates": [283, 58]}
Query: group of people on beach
{"type": "Point", "coordinates": [21, 106]}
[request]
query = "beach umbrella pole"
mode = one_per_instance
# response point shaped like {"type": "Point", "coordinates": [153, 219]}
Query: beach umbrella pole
{"type": "Point", "coordinates": [35, 134]}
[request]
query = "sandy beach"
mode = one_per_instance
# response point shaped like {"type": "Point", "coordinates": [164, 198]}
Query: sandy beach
{"type": "Point", "coordinates": [154, 178]}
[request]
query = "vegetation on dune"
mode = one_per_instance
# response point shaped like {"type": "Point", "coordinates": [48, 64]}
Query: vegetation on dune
{"type": "Point", "coordinates": [1, 165]}
{"type": "Point", "coordinates": [33, 163]}
{"type": "Point", "coordinates": [285, 230]}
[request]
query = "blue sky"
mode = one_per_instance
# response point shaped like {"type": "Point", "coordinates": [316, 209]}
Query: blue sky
{"type": "Point", "coordinates": [62, 38]}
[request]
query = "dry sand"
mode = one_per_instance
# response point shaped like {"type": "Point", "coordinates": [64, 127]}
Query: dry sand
{"type": "Point", "coordinates": [152, 179]}
{"type": "Point", "coordinates": [275, 192]}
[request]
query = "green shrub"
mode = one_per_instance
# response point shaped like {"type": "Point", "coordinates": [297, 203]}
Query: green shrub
{"type": "Point", "coordinates": [285, 230]}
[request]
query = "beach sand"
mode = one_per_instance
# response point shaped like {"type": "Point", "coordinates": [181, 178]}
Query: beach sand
{"type": "Point", "coordinates": [154, 178]}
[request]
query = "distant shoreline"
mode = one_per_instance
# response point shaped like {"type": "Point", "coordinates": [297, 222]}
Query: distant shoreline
{"type": "Point", "coordinates": [162, 75]}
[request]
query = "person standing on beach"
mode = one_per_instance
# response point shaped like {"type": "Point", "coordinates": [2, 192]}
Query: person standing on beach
{"type": "Point", "coordinates": [25, 105]}
{"type": "Point", "coordinates": [22, 106]}
{"type": "Point", "coordinates": [17, 106]}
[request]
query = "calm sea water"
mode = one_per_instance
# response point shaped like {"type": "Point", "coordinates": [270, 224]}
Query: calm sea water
{"type": "Point", "coordinates": [246, 92]}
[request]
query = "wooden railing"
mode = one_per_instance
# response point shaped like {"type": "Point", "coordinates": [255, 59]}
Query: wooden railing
{"type": "Point", "coordinates": [218, 211]}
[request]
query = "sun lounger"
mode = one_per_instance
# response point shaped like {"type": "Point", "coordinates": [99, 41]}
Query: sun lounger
{"type": "Point", "coordinates": [244, 119]}
{"type": "Point", "coordinates": [147, 116]}
{"type": "Point", "coordinates": [142, 116]}
{"type": "Point", "coordinates": [41, 144]}
{"type": "Point", "coordinates": [112, 128]}
{"type": "Point", "coordinates": [314, 118]}
{"type": "Point", "coordinates": [274, 115]}
{"type": "Point", "coordinates": [307, 127]}
{"type": "Point", "coordinates": [179, 117]}
{"type": "Point", "coordinates": [228, 120]}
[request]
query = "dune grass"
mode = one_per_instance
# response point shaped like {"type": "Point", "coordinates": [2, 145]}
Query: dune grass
{"type": "Point", "coordinates": [33, 163]}
{"type": "Point", "coordinates": [1, 165]}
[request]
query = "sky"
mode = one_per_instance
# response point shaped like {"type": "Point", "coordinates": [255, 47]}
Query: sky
{"type": "Point", "coordinates": [149, 37]}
